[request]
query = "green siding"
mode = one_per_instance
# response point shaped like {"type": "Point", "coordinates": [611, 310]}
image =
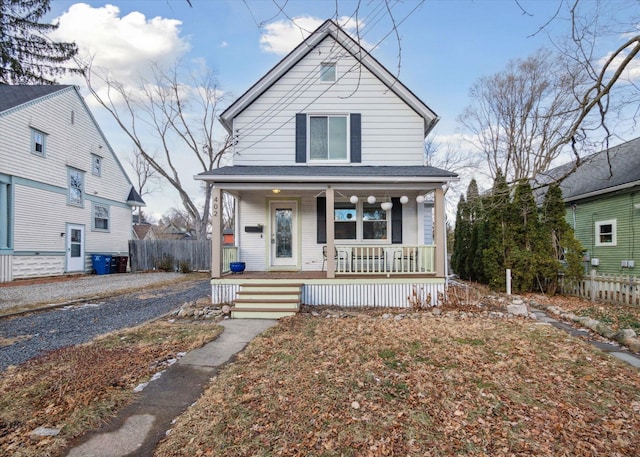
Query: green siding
{"type": "Point", "coordinates": [618, 207]}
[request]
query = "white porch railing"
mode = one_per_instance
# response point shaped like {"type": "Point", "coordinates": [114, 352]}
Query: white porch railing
{"type": "Point", "coordinates": [229, 254]}
{"type": "Point", "coordinates": [377, 259]}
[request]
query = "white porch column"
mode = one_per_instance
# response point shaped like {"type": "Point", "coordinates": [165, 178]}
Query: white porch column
{"type": "Point", "coordinates": [439, 232]}
{"type": "Point", "coordinates": [216, 233]}
{"type": "Point", "coordinates": [331, 261]}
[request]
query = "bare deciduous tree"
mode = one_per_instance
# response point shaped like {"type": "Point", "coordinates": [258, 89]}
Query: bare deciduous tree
{"type": "Point", "coordinates": [604, 41]}
{"type": "Point", "coordinates": [145, 175]}
{"type": "Point", "coordinates": [518, 117]}
{"type": "Point", "coordinates": [179, 119]}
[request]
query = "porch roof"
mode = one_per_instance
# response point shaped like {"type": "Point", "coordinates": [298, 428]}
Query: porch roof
{"type": "Point", "coordinates": [328, 174]}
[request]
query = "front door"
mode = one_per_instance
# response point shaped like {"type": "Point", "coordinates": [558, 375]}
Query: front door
{"type": "Point", "coordinates": [284, 233]}
{"type": "Point", "coordinates": [75, 247]}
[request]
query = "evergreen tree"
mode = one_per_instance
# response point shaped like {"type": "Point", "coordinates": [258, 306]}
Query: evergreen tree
{"type": "Point", "coordinates": [529, 256]}
{"type": "Point", "coordinates": [565, 252]}
{"type": "Point", "coordinates": [473, 204]}
{"type": "Point", "coordinates": [26, 55]}
{"type": "Point", "coordinates": [460, 240]}
{"type": "Point", "coordinates": [495, 256]}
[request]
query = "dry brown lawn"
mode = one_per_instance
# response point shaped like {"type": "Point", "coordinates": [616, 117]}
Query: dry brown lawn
{"type": "Point", "coordinates": [77, 388]}
{"type": "Point", "coordinates": [421, 386]}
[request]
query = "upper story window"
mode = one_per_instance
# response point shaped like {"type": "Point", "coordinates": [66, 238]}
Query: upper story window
{"type": "Point", "coordinates": [96, 165]}
{"type": "Point", "coordinates": [328, 139]}
{"type": "Point", "coordinates": [328, 72]}
{"type": "Point", "coordinates": [38, 142]}
{"type": "Point", "coordinates": [76, 187]}
{"type": "Point", "coordinates": [606, 233]}
{"type": "Point", "coordinates": [100, 217]}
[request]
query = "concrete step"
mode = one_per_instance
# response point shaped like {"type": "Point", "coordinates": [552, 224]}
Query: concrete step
{"type": "Point", "coordinates": [263, 303]}
{"type": "Point", "coordinates": [261, 313]}
{"type": "Point", "coordinates": [270, 300]}
{"type": "Point", "coordinates": [271, 295]}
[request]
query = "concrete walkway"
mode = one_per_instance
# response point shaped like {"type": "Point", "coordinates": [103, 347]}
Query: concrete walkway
{"type": "Point", "coordinates": [138, 428]}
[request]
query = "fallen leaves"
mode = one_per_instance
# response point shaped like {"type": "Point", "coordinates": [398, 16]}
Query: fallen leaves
{"type": "Point", "coordinates": [75, 388]}
{"type": "Point", "coordinates": [366, 386]}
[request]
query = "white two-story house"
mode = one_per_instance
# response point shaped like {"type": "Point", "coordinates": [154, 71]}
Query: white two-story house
{"type": "Point", "coordinates": [63, 193]}
{"type": "Point", "coordinates": [332, 193]}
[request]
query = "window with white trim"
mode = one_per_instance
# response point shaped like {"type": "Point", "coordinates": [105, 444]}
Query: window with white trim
{"type": "Point", "coordinates": [328, 73]}
{"type": "Point", "coordinates": [75, 194]}
{"type": "Point", "coordinates": [96, 165]}
{"type": "Point", "coordinates": [38, 142]}
{"type": "Point", "coordinates": [100, 217]}
{"type": "Point", "coordinates": [328, 138]}
{"type": "Point", "coordinates": [606, 233]}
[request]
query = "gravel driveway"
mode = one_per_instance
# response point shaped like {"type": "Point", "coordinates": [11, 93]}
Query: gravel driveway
{"type": "Point", "coordinates": [24, 337]}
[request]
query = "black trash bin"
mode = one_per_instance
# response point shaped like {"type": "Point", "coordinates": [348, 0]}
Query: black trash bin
{"type": "Point", "coordinates": [122, 263]}
{"type": "Point", "coordinates": [113, 265]}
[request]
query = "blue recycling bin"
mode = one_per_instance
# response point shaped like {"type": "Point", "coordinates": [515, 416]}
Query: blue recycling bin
{"type": "Point", "coordinates": [101, 263]}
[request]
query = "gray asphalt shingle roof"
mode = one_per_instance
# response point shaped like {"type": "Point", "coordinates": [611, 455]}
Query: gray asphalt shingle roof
{"type": "Point", "coordinates": [16, 95]}
{"type": "Point", "coordinates": [327, 172]}
{"type": "Point", "coordinates": [608, 169]}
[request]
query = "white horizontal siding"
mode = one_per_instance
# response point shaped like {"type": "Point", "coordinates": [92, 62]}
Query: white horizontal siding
{"type": "Point", "coordinates": [392, 132]}
{"type": "Point", "coordinates": [252, 246]}
{"type": "Point", "coordinates": [41, 216]}
{"type": "Point", "coordinates": [67, 144]}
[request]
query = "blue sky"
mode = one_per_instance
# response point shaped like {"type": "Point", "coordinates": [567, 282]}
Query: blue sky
{"type": "Point", "coordinates": [446, 45]}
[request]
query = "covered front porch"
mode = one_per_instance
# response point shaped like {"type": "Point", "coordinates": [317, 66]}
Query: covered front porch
{"type": "Point", "coordinates": [372, 240]}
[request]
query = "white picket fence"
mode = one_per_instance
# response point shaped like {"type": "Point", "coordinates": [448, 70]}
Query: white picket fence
{"type": "Point", "coordinates": [622, 290]}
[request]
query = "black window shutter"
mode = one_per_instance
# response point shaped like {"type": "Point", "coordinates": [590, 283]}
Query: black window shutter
{"type": "Point", "coordinates": [396, 221]}
{"type": "Point", "coordinates": [301, 138]}
{"type": "Point", "coordinates": [356, 137]}
{"type": "Point", "coordinates": [322, 219]}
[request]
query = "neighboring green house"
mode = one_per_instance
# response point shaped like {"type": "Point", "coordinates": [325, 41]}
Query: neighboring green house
{"type": "Point", "coordinates": [603, 206]}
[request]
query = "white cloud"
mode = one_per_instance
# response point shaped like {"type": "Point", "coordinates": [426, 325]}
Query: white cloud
{"type": "Point", "coordinates": [125, 45]}
{"type": "Point", "coordinates": [280, 37]}
{"type": "Point", "coordinates": [632, 70]}
{"type": "Point", "coordinates": [224, 44]}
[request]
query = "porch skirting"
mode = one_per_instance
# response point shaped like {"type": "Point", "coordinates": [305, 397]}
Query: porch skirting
{"type": "Point", "coordinates": [359, 292]}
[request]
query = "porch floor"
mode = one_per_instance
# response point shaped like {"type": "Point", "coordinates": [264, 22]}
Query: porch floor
{"type": "Point", "coordinates": [317, 275]}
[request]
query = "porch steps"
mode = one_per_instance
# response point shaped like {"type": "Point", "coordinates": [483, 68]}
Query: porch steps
{"type": "Point", "coordinates": [266, 300]}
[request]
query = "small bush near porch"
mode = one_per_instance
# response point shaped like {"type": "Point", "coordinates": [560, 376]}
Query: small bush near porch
{"type": "Point", "coordinates": [364, 385]}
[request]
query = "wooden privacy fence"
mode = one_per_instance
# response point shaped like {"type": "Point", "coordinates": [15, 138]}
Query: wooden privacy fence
{"type": "Point", "coordinates": [622, 290]}
{"type": "Point", "coordinates": [170, 255]}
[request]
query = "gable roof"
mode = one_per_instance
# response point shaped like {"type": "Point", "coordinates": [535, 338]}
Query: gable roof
{"type": "Point", "coordinates": [329, 29]}
{"type": "Point", "coordinates": [16, 96]}
{"type": "Point", "coordinates": [610, 170]}
{"type": "Point", "coordinates": [12, 96]}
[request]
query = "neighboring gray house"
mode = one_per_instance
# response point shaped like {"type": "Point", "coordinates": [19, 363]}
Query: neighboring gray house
{"type": "Point", "coordinates": [63, 193]}
{"type": "Point", "coordinates": [330, 183]}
